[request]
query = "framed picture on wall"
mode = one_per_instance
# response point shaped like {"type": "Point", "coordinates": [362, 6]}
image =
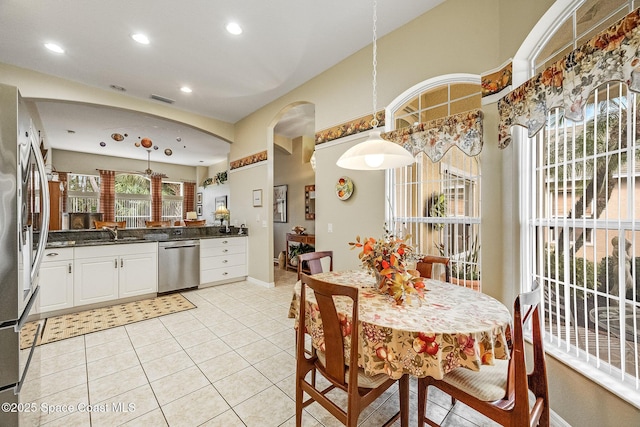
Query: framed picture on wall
{"type": "Point", "coordinates": [221, 201]}
{"type": "Point", "coordinates": [199, 210]}
{"type": "Point", "coordinates": [280, 203]}
{"type": "Point", "coordinates": [257, 198]}
{"type": "Point", "coordinates": [199, 198]}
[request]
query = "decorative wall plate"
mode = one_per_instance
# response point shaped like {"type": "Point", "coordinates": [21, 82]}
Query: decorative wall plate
{"type": "Point", "coordinates": [344, 188]}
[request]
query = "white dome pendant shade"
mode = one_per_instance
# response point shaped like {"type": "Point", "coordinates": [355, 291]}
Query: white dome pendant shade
{"type": "Point", "coordinates": [375, 154]}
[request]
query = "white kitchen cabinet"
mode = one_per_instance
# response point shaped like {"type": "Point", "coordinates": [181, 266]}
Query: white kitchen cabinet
{"type": "Point", "coordinates": [56, 281]}
{"type": "Point", "coordinates": [138, 274]}
{"type": "Point", "coordinates": [110, 272]}
{"type": "Point", "coordinates": [223, 259]}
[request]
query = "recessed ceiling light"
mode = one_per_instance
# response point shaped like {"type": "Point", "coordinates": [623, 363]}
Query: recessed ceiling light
{"type": "Point", "coordinates": [186, 89]}
{"type": "Point", "coordinates": [234, 28]}
{"type": "Point", "coordinates": [54, 47]}
{"type": "Point", "coordinates": [140, 38]}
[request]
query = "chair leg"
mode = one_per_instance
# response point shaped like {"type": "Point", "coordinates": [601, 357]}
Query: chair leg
{"type": "Point", "coordinates": [422, 400]}
{"type": "Point", "coordinates": [299, 402]}
{"type": "Point", "coordinates": [403, 384]}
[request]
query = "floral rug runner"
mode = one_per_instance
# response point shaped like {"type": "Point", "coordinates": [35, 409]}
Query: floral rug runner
{"type": "Point", "coordinates": [84, 322]}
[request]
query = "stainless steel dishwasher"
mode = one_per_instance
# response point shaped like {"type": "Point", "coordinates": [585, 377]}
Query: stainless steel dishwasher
{"type": "Point", "coordinates": [178, 265]}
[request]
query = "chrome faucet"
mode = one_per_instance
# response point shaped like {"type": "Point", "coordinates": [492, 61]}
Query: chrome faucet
{"type": "Point", "coordinates": [113, 231]}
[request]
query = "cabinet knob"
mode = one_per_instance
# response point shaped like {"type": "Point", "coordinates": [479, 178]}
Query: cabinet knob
{"type": "Point", "coordinates": [225, 250]}
{"type": "Point", "coordinates": [225, 261]}
{"type": "Point", "coordinates": [69, 268]}
{"type": "Point", "coordinates": [225, 273]}
{"type": "Point", "coordinates": [224, 242]}
{"type": "Point", "coordinates": [52, 254]}
{"type": "Point", "coordinates": [121, 263]}
{"type": "Point", "coordinates": [115, 265]}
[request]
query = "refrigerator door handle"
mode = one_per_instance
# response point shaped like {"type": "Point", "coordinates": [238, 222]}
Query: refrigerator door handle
{"type": "Point", "coordinates": [44, 188]}
{"type": "Point", "coordinates": [25, 314]}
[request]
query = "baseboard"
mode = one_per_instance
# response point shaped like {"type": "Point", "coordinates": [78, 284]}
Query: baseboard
{"type": "Point", "coordinates": [556, 420]}
{"type": "Point", "coordinates": [260, 282]}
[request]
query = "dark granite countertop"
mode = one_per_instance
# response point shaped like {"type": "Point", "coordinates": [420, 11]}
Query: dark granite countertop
{"type": "Point", "coordinates": [74, 238]}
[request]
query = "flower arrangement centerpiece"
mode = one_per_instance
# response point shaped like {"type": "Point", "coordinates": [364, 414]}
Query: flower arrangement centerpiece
{"type": "Point", "coordinates": [387, 259]}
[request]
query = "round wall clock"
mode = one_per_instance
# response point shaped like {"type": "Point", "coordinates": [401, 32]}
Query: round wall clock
{"type": "Point", "coordinates": [344, 188]}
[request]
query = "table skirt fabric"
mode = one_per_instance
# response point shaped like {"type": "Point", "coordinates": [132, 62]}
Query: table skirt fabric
{"type": "Point", "coordinates": [452, 327]}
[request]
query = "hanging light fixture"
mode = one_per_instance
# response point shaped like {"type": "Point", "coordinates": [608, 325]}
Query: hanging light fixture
{"type": "Point", "coordinates": [375, 153]}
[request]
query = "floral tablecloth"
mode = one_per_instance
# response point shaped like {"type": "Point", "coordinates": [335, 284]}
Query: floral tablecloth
{"type": "Point", "coordinates": [452, 327]}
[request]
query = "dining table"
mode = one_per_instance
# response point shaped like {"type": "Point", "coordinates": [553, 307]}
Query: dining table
{"type": "Point", "coordinates": [450, 327]}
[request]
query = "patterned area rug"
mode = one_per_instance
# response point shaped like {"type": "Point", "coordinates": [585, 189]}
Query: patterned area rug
{"type": "Point", "coordinates": [84, 322]}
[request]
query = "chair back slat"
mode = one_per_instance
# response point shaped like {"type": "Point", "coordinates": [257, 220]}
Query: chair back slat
{"type": "Point", "coordinates": [333, 326]}
{"type": "Point", "coordinates": [313, 261]}
{"type": "Point", "coordinates": [425, 266]}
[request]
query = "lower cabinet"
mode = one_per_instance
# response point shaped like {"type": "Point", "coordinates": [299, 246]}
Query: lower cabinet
{"type": "Point", "coordinates": [96, 280]}
{"type": "Point", "coordinates": [56, 281]}
{"type": "Point", "coordinates": [104, 273]}
{"type": "Point", "coordinates": [223, 259]}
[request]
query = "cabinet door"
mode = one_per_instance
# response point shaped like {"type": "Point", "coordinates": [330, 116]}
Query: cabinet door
{"type": "Point", "coordinates": [56, 286]}
{"type": "Point", "coordinates": [138, 274]}
{"type": "Point", "coordinates": [95, 280]}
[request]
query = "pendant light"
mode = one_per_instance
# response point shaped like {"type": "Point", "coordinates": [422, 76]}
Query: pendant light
{"type": "Point", "coordinates": [375, 153]}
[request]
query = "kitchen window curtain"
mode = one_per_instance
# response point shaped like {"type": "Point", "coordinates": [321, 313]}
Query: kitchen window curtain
{"type": "Point", "coordinates": [107, 194]}
{"type": "Point", "coordinates": [611, 55]}
{"type": "Point", "coordinates": [189, 190]}
{"type": "Point", "coordinates": [156, 197]}
{"type": "Point", "coordinates": [436, 137]}
{"type": "Point", "coordinates": [64, 177]}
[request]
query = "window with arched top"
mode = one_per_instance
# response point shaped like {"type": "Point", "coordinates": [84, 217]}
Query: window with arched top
{"type": "Point", "coordinates": [438, 203]}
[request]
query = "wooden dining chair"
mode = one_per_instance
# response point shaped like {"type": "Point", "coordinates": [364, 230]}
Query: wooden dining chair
{"type": "Point", "coordinates": [313, 262]}
{"type": "Point", "coordinates": [119, 224]}
{"type": "Point", "coordinates": [425, 266]}
{"type": "Point", "coordinates": [361, 389]}
{"type": "Point", "coordinates": [501, 391]}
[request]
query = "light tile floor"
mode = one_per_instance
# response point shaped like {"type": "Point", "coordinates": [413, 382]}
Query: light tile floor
{"type": "Point", "coordinates": [228, 362]}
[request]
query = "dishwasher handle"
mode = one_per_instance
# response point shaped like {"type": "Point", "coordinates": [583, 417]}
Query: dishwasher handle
{"type": "Point", "coordinates": [179, 247]}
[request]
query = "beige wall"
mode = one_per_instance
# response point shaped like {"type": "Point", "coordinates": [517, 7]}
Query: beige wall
{"type": "Point", "coordinates": [292, 170]}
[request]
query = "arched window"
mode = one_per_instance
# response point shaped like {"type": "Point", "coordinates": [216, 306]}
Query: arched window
{"type": "Point", "coordinates": [438, 203]}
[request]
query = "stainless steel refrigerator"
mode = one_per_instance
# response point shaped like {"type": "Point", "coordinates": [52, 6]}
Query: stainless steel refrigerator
{"type": "Point", "coordinates": [24, 224]}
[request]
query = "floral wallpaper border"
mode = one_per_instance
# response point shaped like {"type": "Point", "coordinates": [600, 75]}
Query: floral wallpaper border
{"type": "Point", "coordinates": [611, 55]}
{"type": "Point", "coordinates": [249, 160]}
{"type": "Point", "coordinates": [496, 81]}
{"type": "Point", "coordinates": [349, 128]}
{"type": "Point", "coordinates": [436, 137]}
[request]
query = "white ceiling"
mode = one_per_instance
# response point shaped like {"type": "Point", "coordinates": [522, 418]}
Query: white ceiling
{"type": "Point", "coordinates": [285, 43]}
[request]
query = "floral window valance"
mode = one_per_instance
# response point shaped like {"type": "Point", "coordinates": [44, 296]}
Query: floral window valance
{"type": "Point", "coordinates": [612, 55]}
{"type": "Point", "coordinates": [436, 137]}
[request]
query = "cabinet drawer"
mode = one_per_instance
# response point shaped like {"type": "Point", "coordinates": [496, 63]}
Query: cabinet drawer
{"type": "Point", "coordinates": [116, 250]}
{"type": "Point", "coordinates": [222, 261]}
{"type": "Point", "coordinates": [223, 242]}
{"type": "Point", "coordinates": [57, 254]}
{"type": "Point", "coordinates": [217, 274]}
{"type": "Point", "coordinates": [220, 251]}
